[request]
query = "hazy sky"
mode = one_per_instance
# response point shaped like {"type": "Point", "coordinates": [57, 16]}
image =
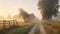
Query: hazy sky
{"type": "Point", "coordinates": [11, 7]}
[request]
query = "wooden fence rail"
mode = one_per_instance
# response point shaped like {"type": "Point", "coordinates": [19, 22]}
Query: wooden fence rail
{"type": "Point", "coordinates": [8, 22]}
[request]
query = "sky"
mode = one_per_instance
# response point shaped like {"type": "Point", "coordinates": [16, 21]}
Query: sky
{"type": "Point", "coordinates": [11, 7]}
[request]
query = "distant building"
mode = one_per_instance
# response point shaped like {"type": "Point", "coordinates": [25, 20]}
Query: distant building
{"type": "Point", "coordinates": [31, 18]}
{"type": "Point", "coordinates": [20, 18]}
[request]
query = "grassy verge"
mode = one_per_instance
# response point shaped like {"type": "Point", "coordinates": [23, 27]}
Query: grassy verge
{"type": "Point", "coordinates": [52, 27]}
{"type": "Point", "coordinates": [17, 30]}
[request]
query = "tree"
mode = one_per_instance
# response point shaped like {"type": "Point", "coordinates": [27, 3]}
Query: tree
{"type": "Point", "coordinates": [24, 14]}
{"type": "Point", "coordinates": [48, 8]}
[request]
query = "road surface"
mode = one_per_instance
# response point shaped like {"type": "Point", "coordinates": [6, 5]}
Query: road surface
{"type": "Point", "coordinates": [38, 25]}
{"type": "Point", "coordinates": [42, 30]}
{"type": "Point", "coordinates": [32, 31]}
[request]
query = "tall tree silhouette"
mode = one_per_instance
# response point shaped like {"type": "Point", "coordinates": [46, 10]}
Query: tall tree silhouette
{"type": "Point", "coordinates": [48, 8]}
{"type": "Point", "coordinates": [24, 14]}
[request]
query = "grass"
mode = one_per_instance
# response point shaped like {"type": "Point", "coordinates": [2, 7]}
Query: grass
{"type": "Point", "coordinates": [24, 29]}
{"type": "Point", "coordinates": [52, 27]}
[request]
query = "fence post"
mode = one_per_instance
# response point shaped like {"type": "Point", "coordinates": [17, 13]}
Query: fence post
{"type": "Point", "coordinates": [3, 24]}
{"type": "Point", "coordinates": [16, 23]}
{"type": "Point", "coordinates": [9, 23]}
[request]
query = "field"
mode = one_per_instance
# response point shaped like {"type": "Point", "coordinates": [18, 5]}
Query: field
{"type": "Point", "coordinates": [52, 27]}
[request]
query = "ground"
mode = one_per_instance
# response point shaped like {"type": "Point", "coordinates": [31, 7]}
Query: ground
{"type": "Point", "coordinates": [22, 29]}
{"type": "Point", "coordinates": [52, 27]}
{"type": "Point", "coordinates": [39, 27]}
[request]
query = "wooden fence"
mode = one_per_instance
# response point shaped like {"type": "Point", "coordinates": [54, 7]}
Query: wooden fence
{"type": "Point", "coordinates": [9, 23]}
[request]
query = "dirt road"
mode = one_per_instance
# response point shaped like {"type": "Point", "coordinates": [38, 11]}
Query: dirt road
{"type": "Point", "coordinates": [42, 30]}
{"type": "Point", "coordinates": [38, 25]}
